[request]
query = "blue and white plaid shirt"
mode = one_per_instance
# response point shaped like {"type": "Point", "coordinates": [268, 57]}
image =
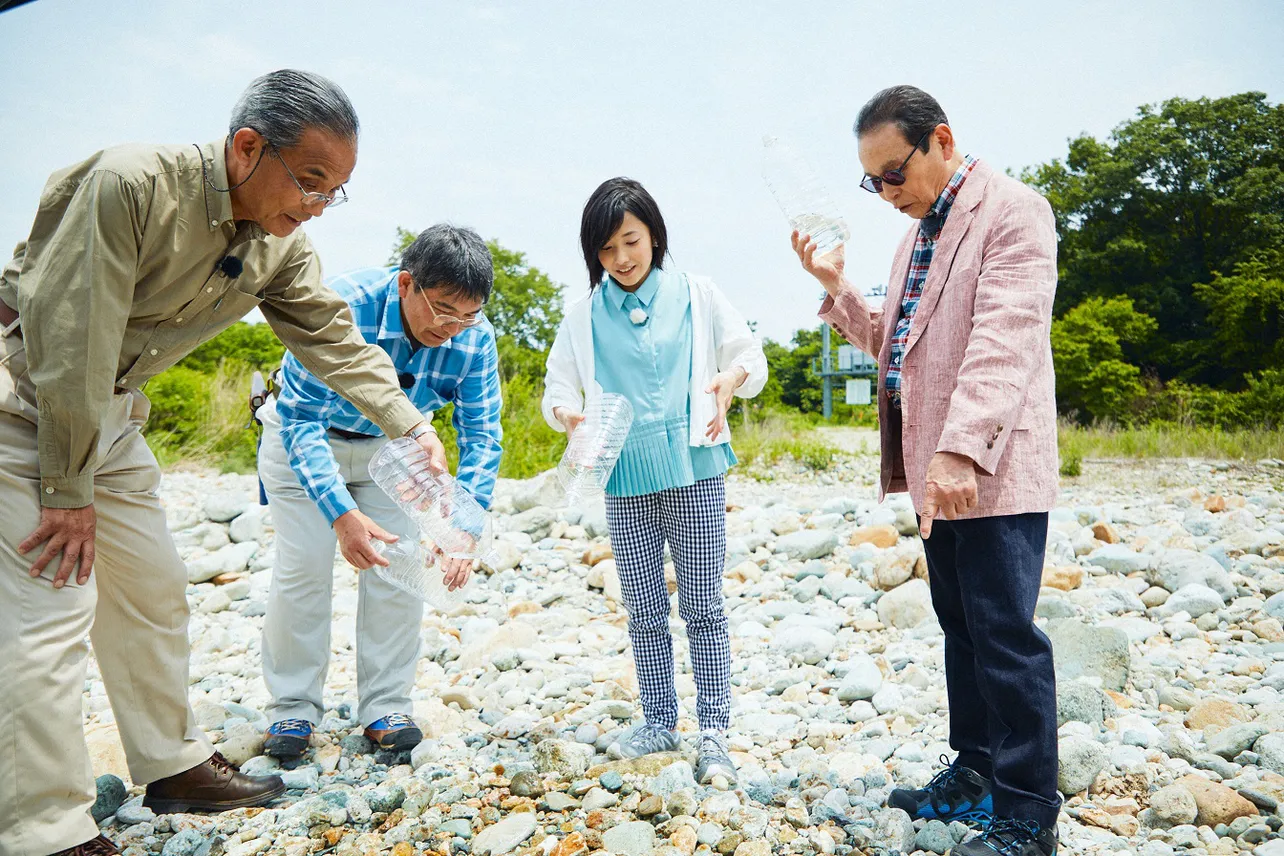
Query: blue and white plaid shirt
{"type": "Point", "coordinates": [464, 370]}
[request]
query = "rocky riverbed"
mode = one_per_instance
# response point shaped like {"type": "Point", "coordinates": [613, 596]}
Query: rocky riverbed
{"type": "Point", "coordinates": [1164, 597]}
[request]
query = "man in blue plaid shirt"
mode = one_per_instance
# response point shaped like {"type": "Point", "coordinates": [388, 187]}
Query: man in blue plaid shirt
{"type": "Point", "coordinates": [426, 314]}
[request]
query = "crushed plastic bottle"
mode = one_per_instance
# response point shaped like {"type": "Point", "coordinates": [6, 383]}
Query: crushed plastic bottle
{"type": "Point", "coordinates": [594, 448]}
{"type": "Point", "coordinates": [446, 512]}
{"type": "Point", "coordinates": [802, 196]}
{"type": "Point", "coordinates": [412, 567]}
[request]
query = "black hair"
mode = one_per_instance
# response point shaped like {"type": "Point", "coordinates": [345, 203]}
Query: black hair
{"type": "Point", "coordinates": [603, 214]}
{"type": "Point", "coordinates": [450, 257]}
{"type": "Point", "coordinates": [909, 108]}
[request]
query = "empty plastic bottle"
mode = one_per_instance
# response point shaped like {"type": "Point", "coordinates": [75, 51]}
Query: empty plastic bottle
{"type": "Point", "coordinates": [594, 448]}
{"type": "Point", "coordinates": [445, 511]}
{"type": "Point", "coordinates": [414, 569]}
{"type": "Point", "coordinates": [802, 196]}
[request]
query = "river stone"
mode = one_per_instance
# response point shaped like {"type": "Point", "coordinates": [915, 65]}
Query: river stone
{"type": "Point", "coordinates": [505, 836]}
{"type": "Point", "coordinates": [1087, 651]}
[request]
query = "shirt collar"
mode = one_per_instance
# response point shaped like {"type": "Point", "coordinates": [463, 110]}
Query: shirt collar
{"type": "Point", "coordinates": [645, 293]}
{"type": "Point", "coordinates": [932, 224]}
{"type": "Point", "coordinates": [390, 326]}
{"type": "Point", "coordinates": [218, 203]}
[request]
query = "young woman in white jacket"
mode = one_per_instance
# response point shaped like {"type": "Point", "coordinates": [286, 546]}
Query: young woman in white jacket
{"type": "Point", "coordinates": [675, 347]}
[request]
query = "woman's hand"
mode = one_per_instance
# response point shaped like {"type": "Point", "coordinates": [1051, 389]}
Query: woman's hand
{"type": "Point", "coordinates": [570, 419]}
{"type": "Point", "coordinates": [723, 385]}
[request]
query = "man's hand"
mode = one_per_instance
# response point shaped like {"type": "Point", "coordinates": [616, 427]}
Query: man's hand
{"type": "Point", "coordinates": [570, 419]}
{"type": "Point", "coordinates": [456, 571]}
{"type": "Point", "coordinates": [355, 531]}
{"type": "Point", "coordinates": [828, 269]}
{"type": "Point", "coordinates": [951, 489]}
{"type": "Point", "coordinates": [431, 443]}
{"type": "Point", "coordinates": [723, 385]}
{"type": "Point", "coordinates": [69, 531]}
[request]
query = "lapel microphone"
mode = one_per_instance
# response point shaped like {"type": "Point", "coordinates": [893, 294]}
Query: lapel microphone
{"type": "Point", "coordinates": [406, 379]}
{"type": "Point", "coordinates": [230, 266]}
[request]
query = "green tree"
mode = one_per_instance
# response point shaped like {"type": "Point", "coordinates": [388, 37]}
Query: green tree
{"type": "Point", "coordinates": [1184, 190]}
{"type": "Point", "coordinates": [1093, 378]}
{"type": "Point", "coordinates": [1246, 312]}
{"type": "Point", "coordinates": [253, 344]}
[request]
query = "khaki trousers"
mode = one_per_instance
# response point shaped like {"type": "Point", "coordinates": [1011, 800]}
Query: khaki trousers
{"type": "Point", "coordinates": [133, 609]}
{"type": "Point", "coordinates": [296, 628]}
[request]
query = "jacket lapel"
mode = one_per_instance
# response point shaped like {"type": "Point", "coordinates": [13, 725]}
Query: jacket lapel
{"type": "Point", "coordinates": [895, 292]}
{"type": "Point", "coordinates": [947, 247]}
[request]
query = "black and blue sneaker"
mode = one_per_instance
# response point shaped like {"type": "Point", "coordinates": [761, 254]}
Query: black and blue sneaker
{"type": "Point", "coordinates": [395, 731]}
{"type": "Point", "coordinates": [1008, 837]}
{"type": "Point", "coordinates": [287, 739]}
{"type": "Point", "coordinates": [956, 793]}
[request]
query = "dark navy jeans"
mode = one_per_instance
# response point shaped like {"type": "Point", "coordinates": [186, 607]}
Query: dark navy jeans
{"type": "Point", "coordinates": [985, 576]}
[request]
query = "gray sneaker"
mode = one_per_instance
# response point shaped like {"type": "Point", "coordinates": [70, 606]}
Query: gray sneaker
{"type": "Point", "coordinates": [644, 739]}
{"type": "Point", "coordinates": [714, 758]}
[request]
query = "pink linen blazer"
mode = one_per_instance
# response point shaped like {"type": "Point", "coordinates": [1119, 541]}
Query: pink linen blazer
{"type": "Point", "coordinates": [976, 377]}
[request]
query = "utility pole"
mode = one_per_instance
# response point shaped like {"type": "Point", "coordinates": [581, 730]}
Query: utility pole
{"type": "Point", "coordinates": [851, 364]}
{"type": "Point", "coordinates": [826, 368]}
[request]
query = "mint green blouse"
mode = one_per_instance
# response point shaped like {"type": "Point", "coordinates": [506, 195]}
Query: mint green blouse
{"type": "Point", "coordinates": [642, 350]}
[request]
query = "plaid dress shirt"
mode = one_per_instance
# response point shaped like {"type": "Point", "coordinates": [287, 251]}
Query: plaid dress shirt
{"type": "Point", "coordinates": [924, 246]}
{"type": "Point", "coordinates": [463, 370]}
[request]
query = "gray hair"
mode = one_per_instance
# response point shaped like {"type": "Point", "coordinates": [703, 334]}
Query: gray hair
{"type": "Point", "coordinates": [281, 105]}
{"type": "Point", "coordinates": [909, 108]}
{"type": "Point", "coordinates": [453, 258]}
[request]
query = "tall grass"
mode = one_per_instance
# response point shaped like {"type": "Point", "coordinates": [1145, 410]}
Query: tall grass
{"type": "Point", "coordinates": [530, 445]}
{"type": "Point", "coordinates": [199, 420]}
{"type": "Point", "coordinates": [1168, 440]}
{"type": "Point", "coordinates": [768, 438]}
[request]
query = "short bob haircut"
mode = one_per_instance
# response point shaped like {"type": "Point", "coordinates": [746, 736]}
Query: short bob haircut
{"type": "Point", "coordinates": [603, 214]}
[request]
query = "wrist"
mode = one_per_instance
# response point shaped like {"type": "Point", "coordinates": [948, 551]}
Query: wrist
{"type": "Point", "coordinates": [420, 430]}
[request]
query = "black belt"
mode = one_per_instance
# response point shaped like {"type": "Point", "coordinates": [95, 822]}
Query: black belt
{"type": "Point", "coordinates": [351, 435]}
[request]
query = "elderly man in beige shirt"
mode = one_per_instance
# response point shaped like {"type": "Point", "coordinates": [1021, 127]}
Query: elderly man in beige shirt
{"type": "Point", "coordinates": [136, 256]}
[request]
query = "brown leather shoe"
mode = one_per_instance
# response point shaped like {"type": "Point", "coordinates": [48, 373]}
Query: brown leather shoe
{"type": "Point", "coordinates": [214, 785]}
{"type": "Point", "coordinates": [100, 846]}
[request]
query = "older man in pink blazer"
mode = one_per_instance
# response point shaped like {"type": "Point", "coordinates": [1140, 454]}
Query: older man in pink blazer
{"type": "Point", "coordinates": [967, 417]}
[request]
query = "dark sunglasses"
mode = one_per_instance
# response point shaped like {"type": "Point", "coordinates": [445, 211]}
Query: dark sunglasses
{"type": "Point", "coordinates": [894, 177]}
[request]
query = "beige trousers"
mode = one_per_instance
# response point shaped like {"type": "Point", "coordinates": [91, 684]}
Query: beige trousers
{"type": "Point", "coordinates": [133, 609]}
{"type": "Point", "coordinates": [296, 628]}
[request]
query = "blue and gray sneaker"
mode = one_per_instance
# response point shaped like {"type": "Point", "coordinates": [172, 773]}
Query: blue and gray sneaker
{"type": "Point", "coordinates": [956, 793]}
{"type": "Point", "coordinates": [287, 739]}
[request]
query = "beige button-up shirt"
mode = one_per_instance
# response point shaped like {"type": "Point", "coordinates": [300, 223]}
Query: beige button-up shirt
{"type": "Point", "coordinates": [120, 279]}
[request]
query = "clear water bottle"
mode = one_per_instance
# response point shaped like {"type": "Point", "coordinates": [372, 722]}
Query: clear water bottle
{"type": "Point", "coordinates": [414, 569]}
{"type": "Point", "coordinates": [594, 448]}
{"type": "Point", "coordinates": [802, 196]}
{"type": "Point", "coordinates": [446, 512]}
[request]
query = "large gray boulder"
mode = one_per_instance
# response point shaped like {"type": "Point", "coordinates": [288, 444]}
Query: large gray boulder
{"type": "Point", "coordinates": [1089, 651]}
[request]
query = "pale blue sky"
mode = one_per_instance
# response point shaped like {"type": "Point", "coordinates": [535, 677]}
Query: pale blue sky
{"type": "Point", "coordinates": [505, 116]}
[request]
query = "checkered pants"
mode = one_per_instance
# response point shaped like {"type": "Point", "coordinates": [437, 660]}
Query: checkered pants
{"type": "Point", "coordinates": [694, 522]}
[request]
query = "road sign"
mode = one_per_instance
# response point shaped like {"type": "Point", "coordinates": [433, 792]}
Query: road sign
{"type": "Point", "coordinates": [858, 391]}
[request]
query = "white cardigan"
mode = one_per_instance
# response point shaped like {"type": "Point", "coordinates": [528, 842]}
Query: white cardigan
{"type": "Point", "coordinates": [720, 340]}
